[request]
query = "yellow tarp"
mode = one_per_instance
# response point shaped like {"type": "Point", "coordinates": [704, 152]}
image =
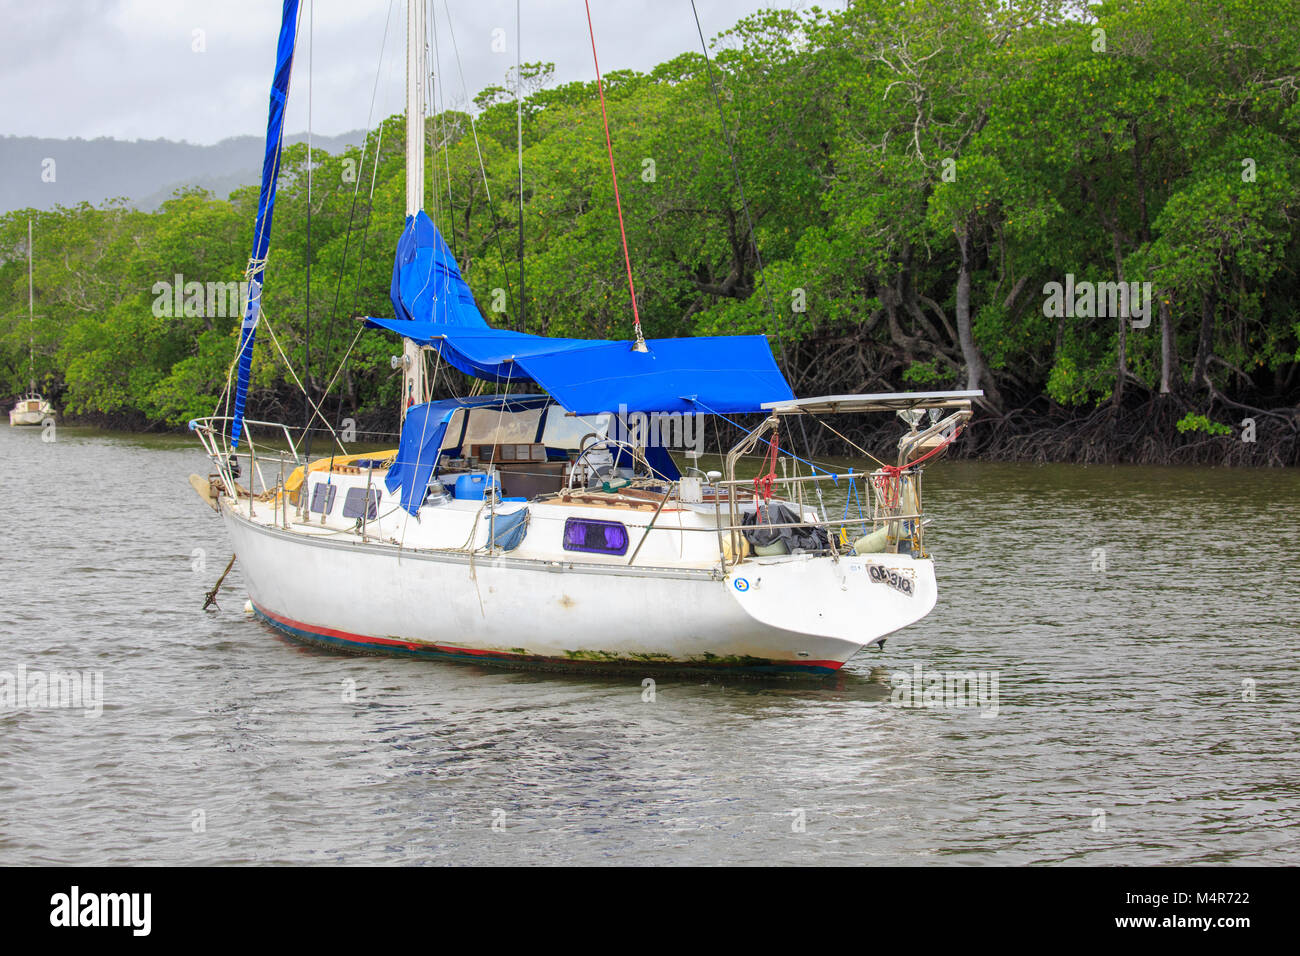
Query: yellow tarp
{"type": "Point", "coordinates": [294, 481]}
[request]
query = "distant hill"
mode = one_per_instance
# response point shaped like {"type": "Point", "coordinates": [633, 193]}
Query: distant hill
{"type": "Point", "coordinates": [145, 172]}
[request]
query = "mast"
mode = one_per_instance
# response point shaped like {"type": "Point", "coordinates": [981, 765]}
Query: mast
{"type": "Point", "coordinates": [31, 315]}
{"type": "Point", "coordinates": [413, 386]}
{"type": "Point", "coordinates": [265, 208]}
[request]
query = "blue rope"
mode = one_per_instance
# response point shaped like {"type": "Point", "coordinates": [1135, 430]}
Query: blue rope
{"type": "Point", "coordinates": [853, 493]}
{"type": "Point", "coordinates": [749, 431]}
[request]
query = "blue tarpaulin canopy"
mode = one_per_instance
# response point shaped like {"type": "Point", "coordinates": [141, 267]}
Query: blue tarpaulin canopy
{"type": "Point", "coordinates": [434, 306]}
{"type": "Point", "coordinates": [722, 374]}
{"type": "Point", "coordinates": [483, 352]}
{"type": "Point", "coordinates": [727, 374]}
{"type": "Point", "coordinates": [425, 428]}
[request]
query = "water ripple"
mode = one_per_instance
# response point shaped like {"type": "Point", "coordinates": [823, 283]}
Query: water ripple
{"type": "Point", "coordinates": [1124, 733]}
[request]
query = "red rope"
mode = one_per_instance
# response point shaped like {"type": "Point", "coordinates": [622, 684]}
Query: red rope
{"type": "Point", "coordinates": [600, 86]}
{"type": "Point", "coordinates": [888, 481]}
{"type": "Point", "coordinates": [763, 484]}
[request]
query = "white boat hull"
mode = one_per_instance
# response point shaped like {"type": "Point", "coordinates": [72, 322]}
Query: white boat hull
{"type": "Point", "coordinates": [29, 412]}
{"type": "Point", "coordinates": [798, 614]}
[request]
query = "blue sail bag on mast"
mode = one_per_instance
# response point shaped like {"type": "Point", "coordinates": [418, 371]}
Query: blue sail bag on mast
{"type": "Point", "coordinates": [265, 208]}
{"type": "Point", "coordinates": [427, 285]}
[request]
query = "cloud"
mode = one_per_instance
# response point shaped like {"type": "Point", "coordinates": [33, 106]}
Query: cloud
{"type": "Point", "coordinates": [130, 69]}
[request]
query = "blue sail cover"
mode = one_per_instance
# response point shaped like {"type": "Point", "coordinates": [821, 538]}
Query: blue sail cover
{"type": "Point", "coordinates": [422, 435]}
{"type": "Point", "coordinates": [434, 306]}
{"type": "Point", "coordinates": [426, 280]}
{"type": "Point", "coordinates": [728, 374]}
{"type": "Point", "coordinates": [265, 208]}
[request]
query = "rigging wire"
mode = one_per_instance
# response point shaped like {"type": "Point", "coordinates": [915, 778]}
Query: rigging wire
{"type": "Point", "coordinates": [311, 406]}
{"type": "Point", "coordinates": [740, 186]}
{"type": "Point", "coordinates": [31, 315]}
{"type": "Point", "coordinates": [253, 264]}
{"type": "Point", "coordinates": [306, 414]}
{"type": "Point", "coordinates": [437, 89]}
{"type": "Point", "coordinates": [370, 201]}
{"type": "Point", "coordinates": [347, 236]}
{"type": "Point", "coordinates": [487, 190]}
{"type": "Point", "coordinates": [433, 131]}
{"type": "Point", "coordinates": [845, 439]}
{"type": "Point", "coordinates": [356, 189]}
{"type": "Point", "coordinates": [749, 431]}
{"type": "Point", "coordinates": [618, 204]}
{"type": "Point", "coordinates": [307, 398]}
{"type": "Point", "coordinates": [519, 135]}
{"type": "Point", "coordinates": [753, 238]}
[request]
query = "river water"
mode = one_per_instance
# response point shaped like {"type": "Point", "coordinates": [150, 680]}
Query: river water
{"type": "Point", "coordinates": [1141, 624]}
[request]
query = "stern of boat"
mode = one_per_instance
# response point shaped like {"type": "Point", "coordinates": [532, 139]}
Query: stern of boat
{"type": "Point", "coordinates": [850, 598]}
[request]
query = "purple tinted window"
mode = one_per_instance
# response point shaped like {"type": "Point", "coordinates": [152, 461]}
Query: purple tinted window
{"type": "Point", "coordinates": [322, 497]}
{"type": "Point", "coordinates": [595, 537]}
{"type": "Point", "coordinates": [355, 503]}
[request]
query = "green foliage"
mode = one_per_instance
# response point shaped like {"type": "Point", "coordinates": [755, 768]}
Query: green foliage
{"type": "Point", "coordinates": [926, 373]}
{"type": "Point", "coordinates": [886, 152]}
{"type": "Point", "coordinates": [1192, 422]}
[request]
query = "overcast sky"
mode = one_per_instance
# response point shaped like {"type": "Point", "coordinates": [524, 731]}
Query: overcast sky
{"type": "Point", "coordinates": [129, 69]}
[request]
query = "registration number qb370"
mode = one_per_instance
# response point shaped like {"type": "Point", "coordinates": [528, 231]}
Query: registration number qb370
{"type": "Point", "coordinates": [892, 577]}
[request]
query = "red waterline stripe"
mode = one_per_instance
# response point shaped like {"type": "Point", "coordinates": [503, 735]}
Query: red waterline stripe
{"type": "Point", "coordinates": [381, 641]}
{"type": "Point", "coordinates": [476, 652]}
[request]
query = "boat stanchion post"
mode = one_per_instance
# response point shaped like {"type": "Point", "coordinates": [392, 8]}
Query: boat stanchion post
{"type": "Point", "coordinates": [491, 499]}
{"type": "Point", "coordinates": [717, 519]}
{"type": "Point", "coordinates": [283, 498]}
{"type": "Point", "coordinates": [365, 508]}
{"type": "Point", "coordinates": [303, 488]}
{"type": "Point", "coordinates": [648, 528]}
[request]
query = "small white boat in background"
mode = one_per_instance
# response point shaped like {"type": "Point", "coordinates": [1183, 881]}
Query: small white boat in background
{"type": "Point", "coordinates": [30, 409]}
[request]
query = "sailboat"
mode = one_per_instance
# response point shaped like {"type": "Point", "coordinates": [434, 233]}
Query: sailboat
{"type": "Point", "coordinates": [32, 408]}
{"type": "Point", "coordinates": [544, 524]}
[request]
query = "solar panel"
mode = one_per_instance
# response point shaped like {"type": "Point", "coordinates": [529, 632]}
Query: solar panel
{"type": "Point", "coordinates": [877, 402]}
{"type": "Point", "coordinates": [355, 503]}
